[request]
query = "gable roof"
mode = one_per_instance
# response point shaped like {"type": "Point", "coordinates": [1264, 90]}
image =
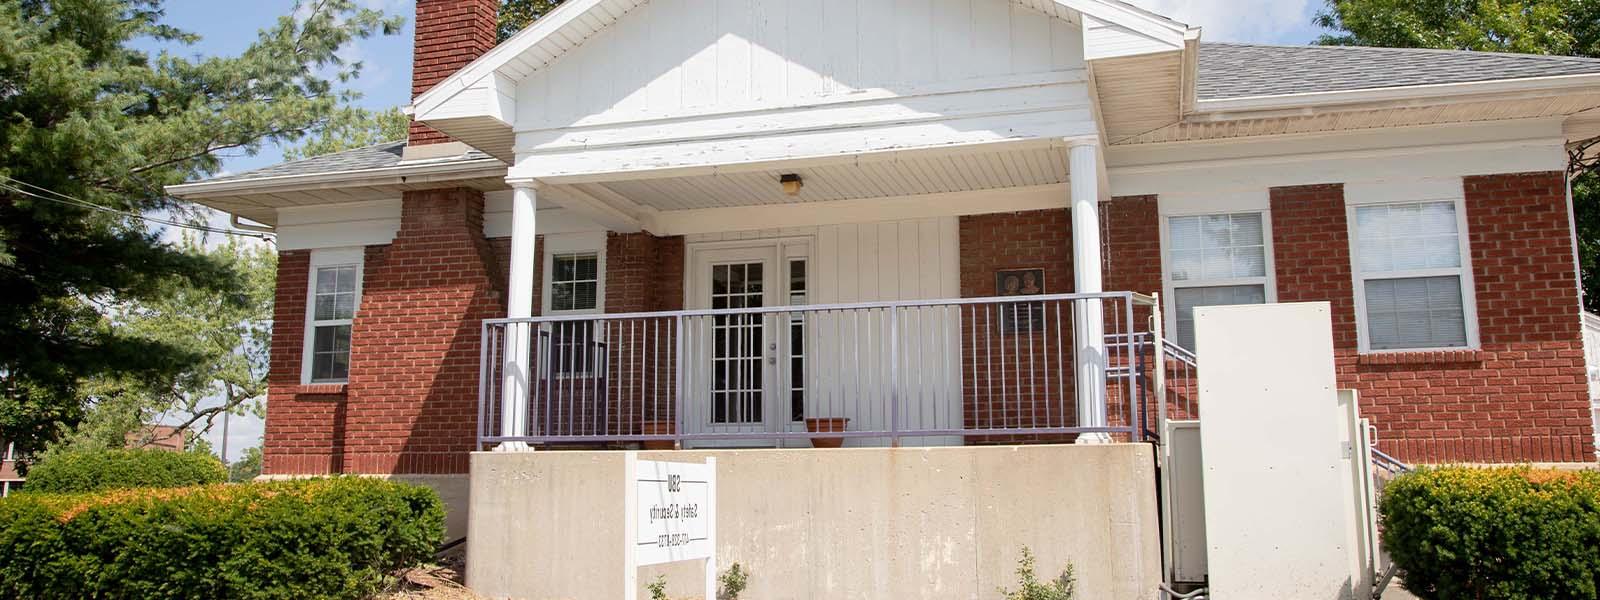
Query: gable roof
{"type": "Point", "coordinates": [1226, 71]}
{"type": "Point", "coordinates": [574, 21]}
{"type": "Point", "coordinates": [1230, 70]}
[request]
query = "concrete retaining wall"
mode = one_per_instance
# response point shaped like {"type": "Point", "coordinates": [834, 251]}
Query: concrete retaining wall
{"type": "Point", "coordinates": [849, 523]}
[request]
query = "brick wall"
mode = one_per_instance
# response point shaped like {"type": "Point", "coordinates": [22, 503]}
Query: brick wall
{"type": "Point", "coordinates": [1131, 254]}
{"type": "Point", "coordinates": [1039, 239]}
{"type": "Point", "coordinates": [412, 402]}
{"type": "Point", "coordinates": [449, 35]}
{"type": "Point", "coordinates": [644, 273]}
{"type": "Point", "coordinates": [1523, 396]}
{"type": "Point", "coordinates": [304, 430]}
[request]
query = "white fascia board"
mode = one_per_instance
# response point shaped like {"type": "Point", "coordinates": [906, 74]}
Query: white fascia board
{"type": "Point", "coordinates": [398, 174]}
{"type": "Point", "coordinates": [834, 146]}
{"type": "Point", "coordinates": [1136, 19]}
{"type": "Point", "coordinates": [1549, 85]}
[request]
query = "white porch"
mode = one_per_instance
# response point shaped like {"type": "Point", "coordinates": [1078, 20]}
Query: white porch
{"type": "Point", "coordinates": [702, 119]}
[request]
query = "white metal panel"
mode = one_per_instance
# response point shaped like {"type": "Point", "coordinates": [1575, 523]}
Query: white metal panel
{"type": "Point", "coordinates": [1183, 475]}
{"type": "Point", "coordinates": [1276, 518]}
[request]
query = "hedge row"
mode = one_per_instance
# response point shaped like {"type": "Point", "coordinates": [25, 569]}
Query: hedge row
{"type": "Point", "coordinates": [1507, 533]}
{"type": "Point", "coordinates": [323, 538]}
{"type": "Point", "coordinates": [84, 472]}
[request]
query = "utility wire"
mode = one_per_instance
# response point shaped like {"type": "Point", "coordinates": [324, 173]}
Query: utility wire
{"type": "Point", "coordinates": [61, 198]}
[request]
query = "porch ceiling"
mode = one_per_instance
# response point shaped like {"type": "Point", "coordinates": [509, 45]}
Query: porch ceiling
{"type": "Point", "coordinates": [1004, 167]}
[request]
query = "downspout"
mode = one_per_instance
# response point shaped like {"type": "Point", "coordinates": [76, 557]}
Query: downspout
{"type": "Point", "coordinates": [1572, 236]}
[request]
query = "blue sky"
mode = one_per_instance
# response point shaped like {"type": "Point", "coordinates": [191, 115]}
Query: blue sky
{"type": "Point", "coordinates": [229, 26]}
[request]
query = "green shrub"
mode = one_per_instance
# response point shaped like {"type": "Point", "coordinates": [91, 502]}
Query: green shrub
{"type": "Point", "coordinates": [1063, 587]}
{"type": "Point", "coordinates": [1508, 533]}
{"type": "Point", "coordinates": [321, 538]}
{"type": "Point", "coordinates": [84, 472]}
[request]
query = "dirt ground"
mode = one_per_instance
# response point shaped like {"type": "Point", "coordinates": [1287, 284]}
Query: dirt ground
{"type": "Point", "coordinates": [440, 581]}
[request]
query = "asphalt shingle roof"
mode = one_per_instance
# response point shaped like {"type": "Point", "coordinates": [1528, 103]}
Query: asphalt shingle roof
{"type": "Point", "coordinates": [1229, 70]}
{"type": "Point", "coordinates": [376, 156]}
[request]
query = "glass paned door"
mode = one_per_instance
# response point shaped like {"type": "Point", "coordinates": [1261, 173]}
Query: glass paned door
{"type": "Point", "coordinates": [736, 379]}
{"type": "Point", "coordinates": [738, 372]}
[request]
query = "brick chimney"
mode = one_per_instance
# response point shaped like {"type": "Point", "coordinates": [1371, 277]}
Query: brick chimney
{"type": "Point", "coordinates": [450, 34]}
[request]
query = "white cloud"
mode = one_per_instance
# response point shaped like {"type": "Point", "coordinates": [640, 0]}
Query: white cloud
{"type": "Point", "coordinates": [1267, 21]}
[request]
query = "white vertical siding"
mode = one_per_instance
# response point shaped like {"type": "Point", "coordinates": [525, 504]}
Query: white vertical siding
{"type": "Point", "coordinates": [669, 56]}
{"type": "Point", "coordinates": [868, 262]}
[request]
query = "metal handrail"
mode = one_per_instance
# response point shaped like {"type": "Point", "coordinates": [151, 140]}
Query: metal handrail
{"type": "Point", "coordinates": [1135, 298]}
{"type": "Point", "coordinates": [909, 368]}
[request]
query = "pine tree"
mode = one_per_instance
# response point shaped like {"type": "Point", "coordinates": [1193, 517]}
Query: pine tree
{"type": "Point", "coordinates": [91, 130]}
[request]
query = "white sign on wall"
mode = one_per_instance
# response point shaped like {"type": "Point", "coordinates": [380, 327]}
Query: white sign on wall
{"type": "Point", "coordinates": [672, 515]}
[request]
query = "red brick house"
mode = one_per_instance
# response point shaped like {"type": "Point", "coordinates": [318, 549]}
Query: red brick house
{"type": "Point", "coordinates": [724, 223]}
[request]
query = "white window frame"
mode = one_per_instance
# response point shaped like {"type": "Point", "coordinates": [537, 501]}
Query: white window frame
{"type": "Point", "coordinates": [1403, 193]}
{"type": "Point", "coordinates": [566, 244]}
{"type": "Point", "coordinates": [328, 258]}
{"type": "Point", "coordinates": [1228, 203]}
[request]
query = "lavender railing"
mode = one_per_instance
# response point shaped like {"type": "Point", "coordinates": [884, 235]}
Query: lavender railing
{"type": "Point", "coordinates": [984, 370]}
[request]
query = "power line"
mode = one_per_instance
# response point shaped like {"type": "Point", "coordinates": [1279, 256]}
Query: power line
{"type": "Point", "coordinates": [71, 201]}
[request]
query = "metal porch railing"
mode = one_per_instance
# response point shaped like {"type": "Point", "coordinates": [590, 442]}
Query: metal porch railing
{"type": "Point", "coordinates": [984, 370]}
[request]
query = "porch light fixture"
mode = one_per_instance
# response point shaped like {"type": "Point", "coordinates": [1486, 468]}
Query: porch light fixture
{"type": "Point", "coordinates": [791, 183]}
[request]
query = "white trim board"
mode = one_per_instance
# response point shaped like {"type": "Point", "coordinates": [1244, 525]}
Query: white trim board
{"type": "Point", "coordinates": [327, 257]}
{"type": "Point", "coordinates": [741, 218]}
{"type": "Point", "coordinates": [1345, 167]}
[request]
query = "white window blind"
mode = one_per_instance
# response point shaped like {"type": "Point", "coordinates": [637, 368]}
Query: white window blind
{"type": "Point", "coordinates": [1409, 268]}
{"type": "Point", "coordinates": [1215, 260]}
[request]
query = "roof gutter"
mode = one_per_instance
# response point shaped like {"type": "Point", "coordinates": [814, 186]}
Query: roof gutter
{"type": "Point", "coordinates": [1254, 107]}
{"type": "Point", "coordinates": [397, 174]}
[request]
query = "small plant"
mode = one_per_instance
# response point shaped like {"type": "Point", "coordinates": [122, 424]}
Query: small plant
{"type": "Point", "coordinates": [733, 581]}
{"type": "Point", "coordinates": [1061, 588]}
{"type": "Point", "coordinates": [658, 588]}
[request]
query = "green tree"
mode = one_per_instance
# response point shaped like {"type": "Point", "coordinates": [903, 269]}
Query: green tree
{"type": "Point", "coordinates": [518, 14]}
{"type": "Point", "coordinates": [247, 467]}
{"type": "Point", "coordinates": [1550, 27]}
{"type": "Point", "coordinates": [91, 129]}
{"type": "Point", "coordinates": [354, 128]}
{"type": "Point", "coordinates": [226, 336]}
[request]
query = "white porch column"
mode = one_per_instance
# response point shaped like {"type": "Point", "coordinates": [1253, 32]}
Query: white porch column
{"type": "Point", "coordinates": [517, 371]}
{"type": "Point", "coordinates": [1084, 161]}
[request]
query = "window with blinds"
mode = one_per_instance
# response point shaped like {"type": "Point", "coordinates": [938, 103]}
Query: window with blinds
{"type": "Point", "coordinates": [1214, 260]}
{"type": "Point", "coordinates": [1410, 275]}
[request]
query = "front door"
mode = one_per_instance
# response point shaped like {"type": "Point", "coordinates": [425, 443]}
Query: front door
{"type": "Point", "coordinates": [736, 354]}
